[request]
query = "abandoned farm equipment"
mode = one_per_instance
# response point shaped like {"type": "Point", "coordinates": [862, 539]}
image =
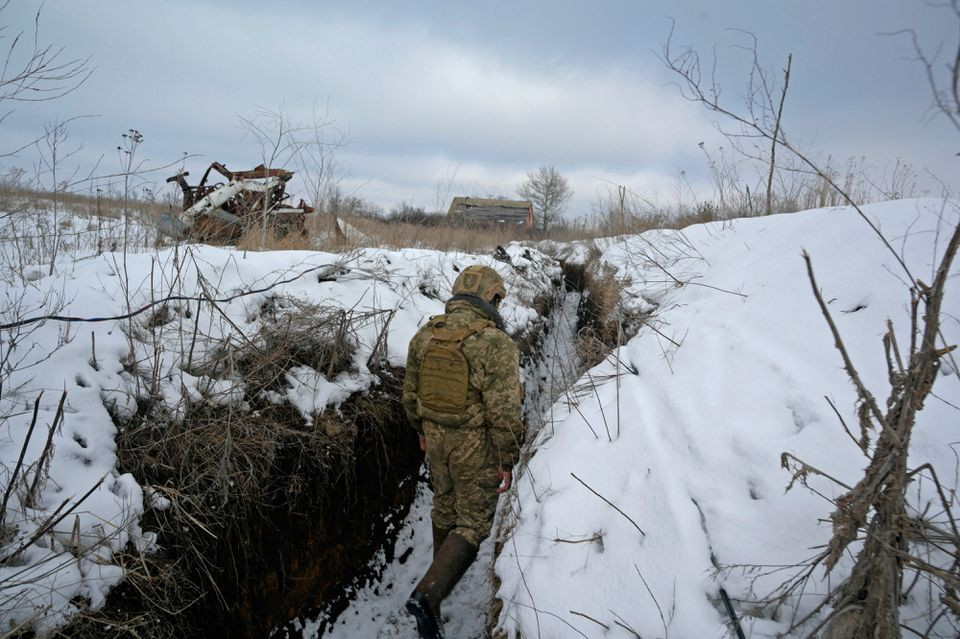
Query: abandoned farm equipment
{"type": "Point", "coordinates": [248, 200]}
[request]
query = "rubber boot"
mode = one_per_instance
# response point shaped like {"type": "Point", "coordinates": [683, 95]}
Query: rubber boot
{"type": "Point", "coordinates": [455, 556]}
{"type": "Point", "coordinates": [428, 624]}
{"type": "Point", "coordinates": [439, 535]}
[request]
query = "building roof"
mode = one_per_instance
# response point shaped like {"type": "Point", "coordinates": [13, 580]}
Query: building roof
{"type": "Point", "coordinates": [464, 204]}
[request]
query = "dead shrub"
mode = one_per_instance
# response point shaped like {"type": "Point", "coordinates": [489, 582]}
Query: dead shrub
{"type": "Point", "coordinates": [591, 350]}
{"type": "Point", "coordinates": [702, 213]}
{"type": "Point", "coordinates": [294, 333]}
{"type": "Point", "coordinates": [602, 312]}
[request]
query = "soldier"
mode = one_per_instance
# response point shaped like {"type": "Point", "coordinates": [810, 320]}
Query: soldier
{"type": "Point", "coordinates": [462, 394]}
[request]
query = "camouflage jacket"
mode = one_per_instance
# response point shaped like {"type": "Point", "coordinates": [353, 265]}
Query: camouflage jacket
{"type": "Point", "coordinates": [495, 394]}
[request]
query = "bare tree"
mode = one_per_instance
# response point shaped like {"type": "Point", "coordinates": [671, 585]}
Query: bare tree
{"type": "Point", "coordinates": [52, 154]}
{"type": "Point", "coordinates": [281, 142]}
{"type": "Point", "coordinates": [445, 185]}
{"type": "Point", "coordinates": [33, 71]}
{"type": "Point", "coordinates": [944, 89]}
{"type": "Point", "coordinates": [312, 146]}
{"type": "Point", "coordinates": [318, 161]}
{"type": "Point", "coordinates": [275, 133]}
{"type": "Point", "coordinates": [548, 191]}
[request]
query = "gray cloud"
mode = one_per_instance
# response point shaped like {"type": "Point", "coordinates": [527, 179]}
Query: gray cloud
{"type": "Point", "coordinates": [494, 89]}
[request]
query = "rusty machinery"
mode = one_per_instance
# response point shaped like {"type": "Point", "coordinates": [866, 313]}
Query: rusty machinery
{"type": "Point", "coordinates": [224, 211]}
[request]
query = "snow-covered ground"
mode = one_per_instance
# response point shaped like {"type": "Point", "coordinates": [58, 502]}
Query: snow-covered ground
{"type": "Point", "coordinates": [683, 430]}
{"type": "Point", "coordinates": [34, 241]}
{"type": "Point", "coordinates": [53, 563]}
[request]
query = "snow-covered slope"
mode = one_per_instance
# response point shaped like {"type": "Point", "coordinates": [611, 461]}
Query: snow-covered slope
{"type": "Point", "coordinates": [684, 434]}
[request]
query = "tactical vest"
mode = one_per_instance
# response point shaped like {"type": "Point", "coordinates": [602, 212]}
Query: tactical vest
{"type": "Point", "coordinates": [444, 393]}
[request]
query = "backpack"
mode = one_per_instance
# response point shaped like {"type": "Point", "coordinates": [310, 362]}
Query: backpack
{"type": "Point", "coordinates": [444, 371]}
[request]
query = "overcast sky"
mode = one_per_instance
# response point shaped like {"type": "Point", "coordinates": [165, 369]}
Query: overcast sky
{"type": "Point", "coordinates": [476, 94]}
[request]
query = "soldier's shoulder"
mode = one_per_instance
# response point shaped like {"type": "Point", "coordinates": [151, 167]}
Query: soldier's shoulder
{"type": "Point", "coordinates": [497, 338]}
{"type": "Point", "coordinates": [423, 333]}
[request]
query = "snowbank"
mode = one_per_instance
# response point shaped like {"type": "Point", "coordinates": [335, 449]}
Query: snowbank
{"type": "Point", "coordinates": [682, 431]}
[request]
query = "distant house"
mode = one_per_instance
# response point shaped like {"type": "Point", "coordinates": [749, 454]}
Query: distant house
{"type": "Point", "coordinates": [483, 211]}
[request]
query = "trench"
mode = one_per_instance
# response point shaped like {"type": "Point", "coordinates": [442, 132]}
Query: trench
{"type": "Point", "coordinates": [338, 556]}
{"type": "Point", "coordinates": [372, 601]}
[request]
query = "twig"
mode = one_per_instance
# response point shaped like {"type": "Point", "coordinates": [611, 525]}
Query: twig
{"type": "Point", "coordinates": [943, 498]}
{"type": "Point", "coordinates": [610, 503]}
{"type": "Point", "coordinates": [588, 617]}
{"type": "Point", "coordinates": [806, 468]}
{"type": "Point", "coordinates": [47, 447]}
{"type": "Point", "coordinates": [655, 330]}
{"type": "Point", "coordinates": [526, 587]}
{"type": "Point", "coordinates": [550, 614]}
{"type": "Point", "coordinates": [717, 288]}
{"type": "Point", "coordinates": [666, 632]}
{"type": "Point", "coordinates": [596, 537]}
{"type": "Point", "coordinates": [52, 521]}
{"type": "Point", "coordinates": [861, 444]}
{"type": "Point", "coordinates": [862, 391]}
{"type": "Point", "coordinates": [603, 415]}
{"type": "Point", "coordinates": [19, 464]}
{"type": "Point", "coordinates": [775, 136]}
{"type": "Point", "coordinates": [623, 624]}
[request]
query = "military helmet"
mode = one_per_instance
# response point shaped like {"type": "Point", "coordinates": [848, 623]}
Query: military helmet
{"type": "Point", "coordinates": [481, 281]}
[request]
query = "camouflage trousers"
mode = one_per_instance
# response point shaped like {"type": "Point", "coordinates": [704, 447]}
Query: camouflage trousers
{"type": "Point", "coordinates": [463, 470]}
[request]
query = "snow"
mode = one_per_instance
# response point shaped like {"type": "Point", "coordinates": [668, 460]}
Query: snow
{"type": "Point", "coordinates": [33, 237]}
{"type": "Point", "coordinates": [685, 433]}
{"type": "Point", "coordinates": [108, 368]}
{"type": "Point", "coordinates": [681, 429]}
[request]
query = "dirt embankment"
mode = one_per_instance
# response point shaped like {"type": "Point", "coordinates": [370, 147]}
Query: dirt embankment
{"type": "Point", "coordinates": [260, 513]}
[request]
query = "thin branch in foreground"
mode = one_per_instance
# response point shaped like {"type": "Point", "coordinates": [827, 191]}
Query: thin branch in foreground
{"type": "Point", "coordinates": [663, 620]}
{"type": "Point", "coordinates": [862, 442]}
{"type": "Point", "coordinates": [23, 451]}
{"type": "Point", "coordinates": [610, 503]}
{"type": "Point", "coordinates": [589, 618]}
{"type": "Point", "coordinates": [838, 342]}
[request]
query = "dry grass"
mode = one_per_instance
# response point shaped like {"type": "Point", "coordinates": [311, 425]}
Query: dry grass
{"type": "Point", "coordinates": [225, 446]}
{"type": "Point", "coordinates": [443, 237]}
{"type": "Point", "coordinates": [231, 466]}
{"type": "Point", "coordinates": [255, 240]}
{"type": "Point", "coordinates": [602, 316]}
{"type": "Point", "coordinates": [448, 237]}
{"type": "Point", "coordinates": [111, 207]}
{"type": "Point", "coordinates": [155, 578]}
{"type": "Point", "coordinates": [372, 232]}
{"type": "Point", "coordinates": [296, 333]}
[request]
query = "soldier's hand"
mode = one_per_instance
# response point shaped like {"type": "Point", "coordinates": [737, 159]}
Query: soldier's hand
{"type": "Point", "coordinates": [423, 443]}
{"type": "Point", "coordinates": [506, 477]}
